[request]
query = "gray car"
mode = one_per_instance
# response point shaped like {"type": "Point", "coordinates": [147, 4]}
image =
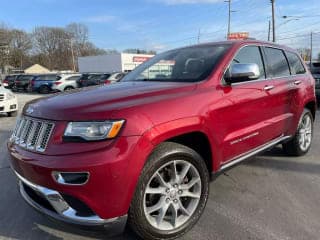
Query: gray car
{"type": "Point", "coordinates": [66, 82]}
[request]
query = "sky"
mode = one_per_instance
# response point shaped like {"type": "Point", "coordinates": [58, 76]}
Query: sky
{"type": "Point", "coordinates": [164, 24]}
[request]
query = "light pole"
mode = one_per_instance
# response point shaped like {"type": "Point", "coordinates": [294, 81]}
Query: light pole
{"type": "Point", "coordinates": [273, 22]}
{"type": "Point", "coordinates": [229, 16]}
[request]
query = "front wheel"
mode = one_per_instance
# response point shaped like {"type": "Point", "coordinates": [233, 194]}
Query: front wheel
{"type": "Point", "coordinates": [44, 89]}
{"type": "Point", "coordinates": [171, 193]}
{"type": "Point", "coordinates": [300, 144]}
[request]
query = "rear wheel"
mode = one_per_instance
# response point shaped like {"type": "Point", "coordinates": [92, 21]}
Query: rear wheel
{"type": "Point", "coordinates": [44, 89]}
{"type": "Point", "coordinates": [301, 142]}
{"type": "Point", "coordinates": [12, 114]}
{"type": "Point", "coordinates": [68, 88]}
{"type": "Point", "coordinates": [171, 193]}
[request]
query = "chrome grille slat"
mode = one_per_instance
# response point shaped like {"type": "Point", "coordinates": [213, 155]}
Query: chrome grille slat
{"type": "Point", "coordinates": [33, 134]}
{"type": "Point", "coordinates": [1, 97]}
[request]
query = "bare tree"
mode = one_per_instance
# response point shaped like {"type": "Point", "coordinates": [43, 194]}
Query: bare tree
{"type": "Point", "coordinates": [19, 46]}
{"type": "Point", "coordinates": [305, 53]}
{"type": "Point", "coordinates": [4, 46]}
{"type": "Point", "coordinates": [54, 43]}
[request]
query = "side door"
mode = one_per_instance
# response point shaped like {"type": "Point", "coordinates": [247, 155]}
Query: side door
{"type": "Point", "coordinates": [285, 87]}
{"type": "Point", "coordinates": [247, 109]}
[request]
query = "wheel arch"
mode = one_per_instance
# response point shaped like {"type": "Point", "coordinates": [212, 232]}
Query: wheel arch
{"type": "Point", "coordinates": [199, 142]}
{"type": "Point", "coordinates": [189, 132]}
{"type": "Point", "coordinates": [312, 106]}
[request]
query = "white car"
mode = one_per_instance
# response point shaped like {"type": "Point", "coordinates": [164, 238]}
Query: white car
{"type": "Point", "coordinates": [8, 102]}
{"type": "Point", "coordinates": [115, 77]}
{"type": "Point", "coordinates": [66, 82]}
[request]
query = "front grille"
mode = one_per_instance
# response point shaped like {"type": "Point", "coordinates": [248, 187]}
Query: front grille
{"type": "Point", "coordinates": [32, 134]}
{"type": "Point", "coordinates": [1, 97]}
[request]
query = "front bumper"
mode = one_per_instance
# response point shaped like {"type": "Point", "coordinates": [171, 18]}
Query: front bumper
{"type": "Point", "coordinates": [60, 209]}
{"type": "Point", "coordinates": [114, 171]}
{"type": "Point", "coordinates": [9, 105]}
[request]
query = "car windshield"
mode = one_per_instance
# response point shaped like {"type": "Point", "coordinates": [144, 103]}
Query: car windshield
{"type": "Point", "coordinates": [190, 64]}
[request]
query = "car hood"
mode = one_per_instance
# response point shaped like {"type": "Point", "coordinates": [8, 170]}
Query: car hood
{"type": "Point", "coordinates": [99, 103]}
{"type": "Point", "coordinates": [4, 90]}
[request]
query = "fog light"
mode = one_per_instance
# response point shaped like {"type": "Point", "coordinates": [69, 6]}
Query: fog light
{"type": "Point", "coordinates": [71, 178]}
{"type": "Point", "coordinates": [13, 106]}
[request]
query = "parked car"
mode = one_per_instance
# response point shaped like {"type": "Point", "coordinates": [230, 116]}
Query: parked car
{"type": "Point", "coordinates": [142, 150]}
{"type": "Point", "coordinates": [316, 76]}
{"type": "Point", "coordinates": [43, 83]}
{"type": "Point", "coordinates": [67, 82]}
{"type": "Point", "coordinates": [22, 82]}
{"type": "Point", "coordinates": [8, 102]}
{"type": "Point", "coordinates": [114, 77]}
{"type": "Point", "coordinates": [8, 81]}
{"type": "Point", "coordinates": [92, 79]}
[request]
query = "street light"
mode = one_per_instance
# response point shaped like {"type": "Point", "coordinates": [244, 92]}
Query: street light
{"type": "Point", "coordinates": [289, 20]}
{"type": "Point", "coordinates": [310, 16]}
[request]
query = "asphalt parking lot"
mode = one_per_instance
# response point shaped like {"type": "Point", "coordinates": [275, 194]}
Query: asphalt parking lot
{"type": "Point", "coordinates": [267, 197]}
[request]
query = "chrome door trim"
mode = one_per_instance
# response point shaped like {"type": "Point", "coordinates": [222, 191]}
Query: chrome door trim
{"type": "Point", "coordinates": [253, 152]}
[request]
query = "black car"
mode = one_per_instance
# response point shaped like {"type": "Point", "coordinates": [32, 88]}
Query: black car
{"type": "Point", "coordinates": [23, 82]}
{"type": "Point", "coordinates": [91, 79]}
{"type": "Point", "coordinates": [316, 76]}
{"type": "Point", "coordinates": [8, 81]}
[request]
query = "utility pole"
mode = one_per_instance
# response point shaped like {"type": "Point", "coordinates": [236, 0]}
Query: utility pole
{"type": "Point", "coordinates": [229, 17]}
{"type": "Point", "coordinates": [273, 22]}
{"type": "Point", "coordinates": [269, 31]}
{"type": "Point", "coordinates": [311, 50]}
{"type": "Point", "coordinates": [199, 34]}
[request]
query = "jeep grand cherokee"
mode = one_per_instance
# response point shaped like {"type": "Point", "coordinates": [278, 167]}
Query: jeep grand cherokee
{"type": "Point", "coordinates": [142, 151]}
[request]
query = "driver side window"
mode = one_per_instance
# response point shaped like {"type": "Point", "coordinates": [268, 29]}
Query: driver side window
{"type": "Point", "coordinates": [250, 54]}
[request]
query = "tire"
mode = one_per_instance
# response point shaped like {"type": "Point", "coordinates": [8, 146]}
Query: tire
{"type": "Point", "coordinates": [13, 114]}
{"type": "Point", "coordinates": [171, 196]}
{"type": "Point", "coordinates": [300, 144]}
{"type": "Point", "coordinates": [44, 89]}
{"type": "Point", "coordinates": [68, 88]}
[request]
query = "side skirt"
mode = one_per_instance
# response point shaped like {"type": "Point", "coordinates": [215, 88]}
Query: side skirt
{"type": "Point", "coordinates": [253, 152]}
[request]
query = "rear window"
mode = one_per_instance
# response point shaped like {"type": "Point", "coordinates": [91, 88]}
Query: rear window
{"type": "Point", "coordinates": [72, 78]}
{"type": "Point", "coordinates": [51, 77]}
{"type": "Point", "coordinates": [278, 65]}
{"type": "Point", "coordinates": [296, 65]}
{"type": "Point", "coordinates": [10, 78]}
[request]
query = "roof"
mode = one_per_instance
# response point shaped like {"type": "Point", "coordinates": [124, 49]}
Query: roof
{"type": "Point", "coordinates": [36, 68]}
{"type": "Point", "coordinates": [243, 42]}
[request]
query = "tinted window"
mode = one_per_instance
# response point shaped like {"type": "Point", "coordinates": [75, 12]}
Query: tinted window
{"type": "Point", "coordinates": [25, 77]}
{"type": "Point", "coordinates": [72, 78]}
{"type": "Point", "coordinates": [190, 64]}
{"type": "Point", "coordinates": [51, 77]}
{"type": "Point", "coordinates": [250, 54]}
{"type": "Point", "coordinates": [10, 78]}
{"type": "Point", "coordinates": [296, 65]}
{"type": "Point", "coordinates": [278, 65]}
{"type": "Point", "coordinates": [120, 75]}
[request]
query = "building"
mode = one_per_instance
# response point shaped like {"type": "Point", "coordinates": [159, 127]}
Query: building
{"type": "Point", "coordinates": [118, 62]}
{"type": "Point", "coordinates": [36, 68]}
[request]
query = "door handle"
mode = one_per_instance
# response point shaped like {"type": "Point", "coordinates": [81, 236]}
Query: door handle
{"type": "Point", "coordinates": [297, 82]}
{"type": "Point", "coordinates": [268, 87]}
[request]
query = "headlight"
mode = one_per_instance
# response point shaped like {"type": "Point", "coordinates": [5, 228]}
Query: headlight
{"type": "Point", "coordinates": [10, 96]}
{"type": "Point", "coordinates": [93, 131]}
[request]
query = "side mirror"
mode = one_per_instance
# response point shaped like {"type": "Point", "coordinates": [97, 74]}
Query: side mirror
{"type": "Point", "coordinates": [241, 72]}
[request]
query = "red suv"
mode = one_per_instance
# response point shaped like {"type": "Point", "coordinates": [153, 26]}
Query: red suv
{"type": "Point", "coordinates": [142, 151]}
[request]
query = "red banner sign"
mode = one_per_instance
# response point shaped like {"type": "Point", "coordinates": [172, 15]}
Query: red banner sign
{"type": "Point", "coordinates": [238, 36]}
{"type": "Point", "coordinates": [140, 59]}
